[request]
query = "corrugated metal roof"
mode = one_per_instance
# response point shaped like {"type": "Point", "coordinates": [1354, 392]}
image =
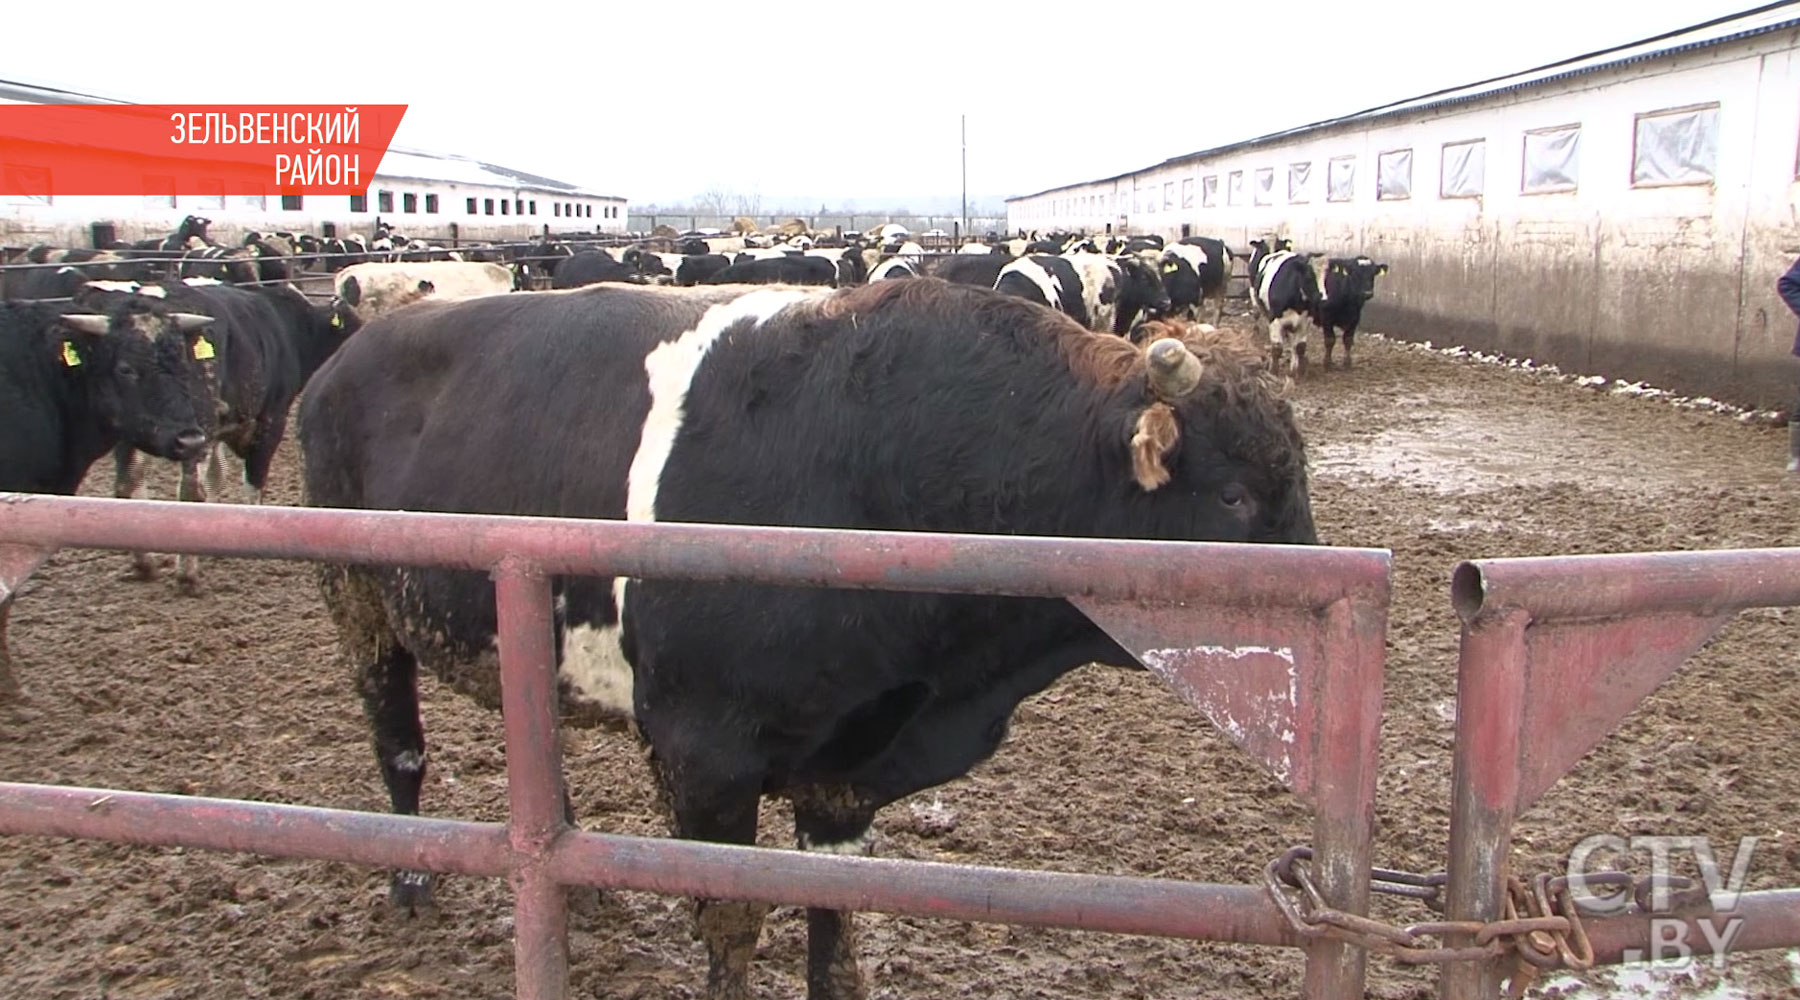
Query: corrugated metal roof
{"type": "Point", "coordinates": [1751, 23]}
{"type": "Point", "coordinates": [418, 164]}
{"type": "Point", "coordinates": [400, 161]}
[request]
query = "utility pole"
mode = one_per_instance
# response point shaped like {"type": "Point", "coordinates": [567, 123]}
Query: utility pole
{"type": "Point", "coordinates": [965, 176]}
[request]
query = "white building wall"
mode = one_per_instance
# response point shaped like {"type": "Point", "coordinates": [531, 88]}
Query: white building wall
{"type": "Point", "coordinates": [1674, 284]}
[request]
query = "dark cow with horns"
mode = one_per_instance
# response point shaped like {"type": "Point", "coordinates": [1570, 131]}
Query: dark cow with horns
{"type": "Point", "coordinates": [1349, 282]}
{"type": "Point", "coordinates": [74, 383]}
{"type": "Point", "coordinates": [901, 405]}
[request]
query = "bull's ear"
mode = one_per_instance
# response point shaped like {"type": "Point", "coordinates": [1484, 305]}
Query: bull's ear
{"type": "Point", "coordinates": [1153, 438]}
{"type": "Point", "coordinates": [352, 292]}
{"type": "Point", "coordinates": [1381, 269]}
{"type": "Point", "coordinates": [426, 287]}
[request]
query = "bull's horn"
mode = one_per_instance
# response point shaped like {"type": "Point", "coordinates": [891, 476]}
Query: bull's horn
{"type": "Point", "coordinates": [189, 322]}
{"type": "Point", "coordinates": [1174, 371]}
{"type": "Point", "coordinates": [89, 323]}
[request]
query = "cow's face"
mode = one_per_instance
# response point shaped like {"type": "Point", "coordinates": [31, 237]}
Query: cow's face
{"type": "Point", "coordinates": [1353, 279]}
{"type": "Point", "coordinates": [147, 372]}
{"type": "Point", "coordinates": [1215, 449]}
{"type": "Point", "coordinates": [1141, 285]}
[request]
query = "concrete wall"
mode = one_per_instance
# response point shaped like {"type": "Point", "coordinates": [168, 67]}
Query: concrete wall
{"type": "Point", "coordinates": [1673, 284]}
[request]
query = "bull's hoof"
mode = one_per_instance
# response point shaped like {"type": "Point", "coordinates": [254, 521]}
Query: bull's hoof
{"type": "Point", "coordinates": [410, 893]}
{"type": "Point", "coordinates": [143, 568]}
{"type": "Point", "coordinates": [188, 586]}
{"type": "Point", "coordinates": [1346, 362]}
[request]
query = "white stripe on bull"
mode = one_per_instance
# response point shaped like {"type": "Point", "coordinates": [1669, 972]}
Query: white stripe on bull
{"type": "Point", "coordinates": [593, 662]}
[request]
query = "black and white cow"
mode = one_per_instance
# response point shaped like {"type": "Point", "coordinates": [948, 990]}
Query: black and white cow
{"type": "Point", "coordinates": [1349, 282]}
{"type": "Point", "coordinates": [235, 265]}
{"type": "Point", "coordinates": [895, 267]}
{"type": "Point", "coordinates": [1285, 290]}
{"type": "Point", "coordinates": [899, 405]}
{"type": "Point", "coordinates": [190, 235]}
{"type": "Point", "coordinates": [685, 270]}
{"type": "Point", "coordinates": [1102, 293]}
{"type": "Point", "coordinates": [78, 266]}
{"type": "Point", "coordinates": [77, 383]}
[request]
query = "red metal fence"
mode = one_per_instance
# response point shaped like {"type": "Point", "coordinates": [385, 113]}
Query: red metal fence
{"type": "Point", "coordinates": [1282, 646]}
{"type": "Point", "coordinates": [1556, 651]}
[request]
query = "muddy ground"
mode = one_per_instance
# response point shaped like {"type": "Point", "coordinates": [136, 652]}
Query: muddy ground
{"type": "Point", "coordinates": [237, 693]}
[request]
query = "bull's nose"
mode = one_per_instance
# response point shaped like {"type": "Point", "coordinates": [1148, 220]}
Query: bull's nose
{"type": "Point", "coordinates": [190, 443]}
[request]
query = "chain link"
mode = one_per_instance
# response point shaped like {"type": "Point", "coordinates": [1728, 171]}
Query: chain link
{"type": "Point", "coordinates": [1540, 924]}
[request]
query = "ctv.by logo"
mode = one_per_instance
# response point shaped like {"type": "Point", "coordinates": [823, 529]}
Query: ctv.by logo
{"type": "Point", "coordinates": [1668, 935]}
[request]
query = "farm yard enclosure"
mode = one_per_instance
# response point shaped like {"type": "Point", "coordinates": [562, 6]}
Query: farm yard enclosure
{"type": "Point", "coordinates": [238, 693]}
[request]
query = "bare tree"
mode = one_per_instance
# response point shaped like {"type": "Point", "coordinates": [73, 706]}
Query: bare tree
{"type": "Point", "coordinates": [715, 200]}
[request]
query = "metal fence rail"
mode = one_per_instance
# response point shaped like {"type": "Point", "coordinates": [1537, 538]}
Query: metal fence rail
{"type": "Point", "coordinates": [1556, 651]}
{"type": "Point", "coordinates": [1284, 638]}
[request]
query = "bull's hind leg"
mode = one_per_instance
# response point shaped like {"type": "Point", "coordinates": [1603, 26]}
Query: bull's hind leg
{"type": "Point", "coordinates": [128, 484]}
{"type": "Point", "coordinates": [709, 796]}
{"type": "Point", "coordinates": [834, 821]}
{"type": "Point", "coordinates": [387, 677]}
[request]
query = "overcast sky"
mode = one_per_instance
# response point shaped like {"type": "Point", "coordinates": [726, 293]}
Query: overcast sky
{"type": "Point", "coordinates": [657, 101]}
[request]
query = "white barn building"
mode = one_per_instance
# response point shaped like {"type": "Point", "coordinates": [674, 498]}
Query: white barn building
{"type": "Point", "coordinates": [1626, 212]}
{"type": "Point", "coordinates": [424, 195]}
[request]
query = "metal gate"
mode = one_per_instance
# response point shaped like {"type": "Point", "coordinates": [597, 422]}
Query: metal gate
{"type": "Point", "coordinates": [1281, 646]}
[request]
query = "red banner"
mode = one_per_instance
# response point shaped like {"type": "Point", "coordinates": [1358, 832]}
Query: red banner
{"type": "Point", "coordinates": [193, 149]}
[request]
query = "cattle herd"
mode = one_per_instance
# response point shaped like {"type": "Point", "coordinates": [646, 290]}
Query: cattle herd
{"type": "Point", "coordinates": [1041, 387]}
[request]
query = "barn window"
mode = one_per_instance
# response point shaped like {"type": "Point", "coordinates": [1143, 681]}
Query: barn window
{"type": "Point", "coordinates": [556, 209]}
{"type": "Point", "coordinates": [1187, 192]}
{"type": "Point", "coordinates": [1464, 169]}
{"type": "Point", "coordinates": [30, 183]}
{"type": "Point", "coordinates": [1265, 186]}
{"type": "Point", "coordinates": [1552, 160]}
{"type": "Point", "coordinates": [384, 201]}
{"type": "Point", "coordinates": [159, 192]}
{"type": "Point", "coordinates": [505, 205]}
{"type": "Point", "coordinates": [487, 205]}
{"type": "Point", "coordinates": [409, 203]}
{"type": "Point", "coordinates": [292, 202]}
{"type": "Point", "coordinates": [1209, 191]}
{"type": "Point", "coordinates": [431, 204]}
{"type": "Point", "coordinates": [533, 204]}
{"type": "Point", "coordinates": [590, 211]}
{"type": "Point", "coordinates": [359, 203]}
{"type": "Point", "coordinates": [1340, 178]}
{"type": "Point", "coordinates": [1234, 188]}
{"type": "Point", "coordinates": [212, 196]}
{"type": "Point", "coordinates": [1299, 183]}
{"type": "Point", "coordinates": [1676, 146]}
{"type": "Point", "coordinates": [1393, 175]}
{"type": "Point", "coordinates": [470, 202]}
{"type": "Point", "coordinates": [1168, 196]}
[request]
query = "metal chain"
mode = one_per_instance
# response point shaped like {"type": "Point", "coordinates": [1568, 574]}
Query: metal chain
{"type": "Point", "coordinates": [1540, 924]}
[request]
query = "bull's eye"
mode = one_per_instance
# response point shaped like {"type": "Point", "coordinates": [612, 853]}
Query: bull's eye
{"type": "Point", "coordinates": [1234, 495]}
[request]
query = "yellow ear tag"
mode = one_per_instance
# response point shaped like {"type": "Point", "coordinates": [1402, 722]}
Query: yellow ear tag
{"type": "Point", "coordinates": [203, 350]}
{"type": "Point", "coordinates": [70, 358]}
{"type": "Point", "coordinates": [1171, 268]}
{"type": "Point", "coordinates": [336, 321]}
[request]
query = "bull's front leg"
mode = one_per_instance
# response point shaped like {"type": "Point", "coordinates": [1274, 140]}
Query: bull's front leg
{"type": "Point", "coordinates": [187, 566]}
{"type": "Point", "coordinates": [128, 484]}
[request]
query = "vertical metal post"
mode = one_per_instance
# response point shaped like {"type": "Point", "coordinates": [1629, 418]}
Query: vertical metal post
{"type": "Point", "coordinates": [1349, 694]}
{"type": "Point", "coordinates": [1484, 792]}
{"type": "Point", "coordinates": [533, 777]}
{"type": "Point", "coordinates": [965, 173]}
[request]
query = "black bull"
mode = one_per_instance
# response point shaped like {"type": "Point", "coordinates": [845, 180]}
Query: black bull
{"type": "Point", "coordinates": [903, 405]}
